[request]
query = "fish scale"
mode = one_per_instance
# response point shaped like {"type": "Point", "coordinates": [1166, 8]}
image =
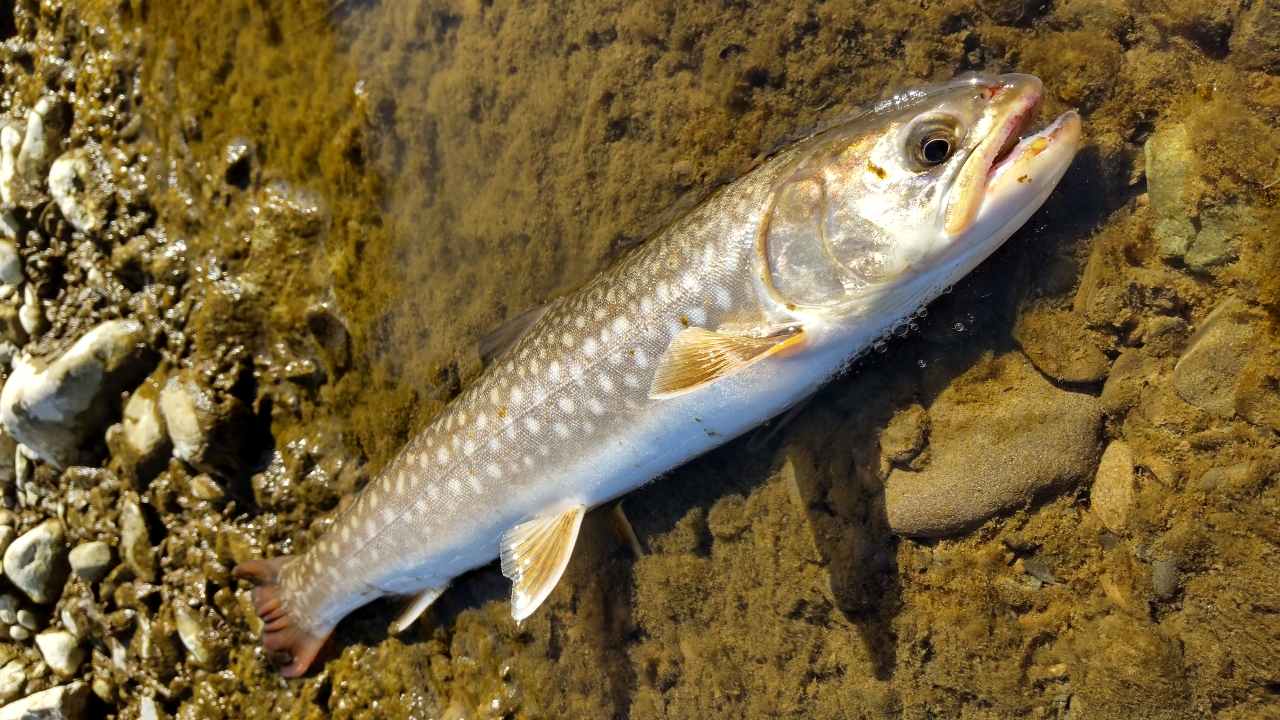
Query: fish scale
{"type": "Point", "coordinates": [734, 312]}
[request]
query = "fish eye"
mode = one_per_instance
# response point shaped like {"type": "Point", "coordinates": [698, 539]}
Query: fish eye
{"type": "Point", "coordinates": [931, 142]}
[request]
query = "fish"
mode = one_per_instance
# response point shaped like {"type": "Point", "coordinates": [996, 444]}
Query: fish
{"type": "Point", "coordinates": [731, 314]}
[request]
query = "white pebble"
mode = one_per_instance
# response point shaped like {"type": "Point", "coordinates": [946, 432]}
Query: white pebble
{"type": "Point", "coordinates": [61, 651]}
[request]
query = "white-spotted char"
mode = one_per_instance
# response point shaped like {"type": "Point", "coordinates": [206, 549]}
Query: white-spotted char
{"type": "Point", "coordinates": [731, 314]}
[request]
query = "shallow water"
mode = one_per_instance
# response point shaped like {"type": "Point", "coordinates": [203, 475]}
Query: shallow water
{"type": "Point", "coordinates": [324, 206]}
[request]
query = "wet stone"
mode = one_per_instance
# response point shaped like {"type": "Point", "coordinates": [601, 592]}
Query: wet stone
{"type": "Point", "coordinates": [91, 561]}
{"type": "Point", "coordinates": [28, 620]}
{"type": "Point", "coordinates": [53, 408]}
{"type": "Point", "coordinates": [10, 264]}
{"type": "Point", "coordinates": [9, 606]}
{"type": "Point", "coordinates": [36, 563]}
{"type": "Point", "coordinates": [64, 702]}
{"type": "Point", "coordinates": [1255, 44]}
{"type": "Point", "coordinates": [7, 536]}
{"type": "Point", "coordinates": [135, 542]}
{"type": "Point", "coordinates": [143, 435]}
{"type": "Point", "coordinates": [1001, 435]}
{"type": "Point", "coordinates": [12, 678]}
{"type": "Point", "coordinates": [61, 652]}
{"type": "Point", "coordinates": [1112, 497]}
{"type": "Point", "coordinates": [1205, 375]}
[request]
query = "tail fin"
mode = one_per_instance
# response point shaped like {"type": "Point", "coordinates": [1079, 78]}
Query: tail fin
{"type": "Point", "coordinates": [285, 640]}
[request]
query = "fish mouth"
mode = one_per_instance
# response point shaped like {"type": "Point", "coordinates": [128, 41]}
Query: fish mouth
{"type": "Point", "coordinates": [1017, 100]}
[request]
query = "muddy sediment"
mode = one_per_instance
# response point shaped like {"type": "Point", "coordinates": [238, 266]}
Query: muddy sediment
{"type": "Point", "coordinates": [296, 220]}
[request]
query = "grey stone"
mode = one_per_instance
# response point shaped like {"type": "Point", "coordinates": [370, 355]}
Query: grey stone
{"type": "Point", "coordinates": [91, 561]}
{"type": "Point", "coordinates": [9, 606]}
{"type": "Point", "coordinates": [1205, 375]}
{"type": "Point", "coordinates": [36, 563]}
{"type": "Point", "coordinates": [1112, 497]}
{"type": "Point", "coordinates": [13, 677]}
{"type": "Point", "coordinates": [135, 542]}
{"type": "Point", "coordinates": [19, 633]}
{"type": "Point", "coordinates": [10, 264]}
{"type": "Point", "coordinates": [53, 408]}
{"type": "Point", "coordinates": [64, 702]}
{"type": "Point", "coordinates": [28, 620]}
{"type": "Point", "coordinates": [1001, 435]}
{"type": "Point", "coordinates": [61, 652]}
{"type": "Point", "coordinates": [1164, 578]}
{"type": "Point", "coordinates": [7, 536]}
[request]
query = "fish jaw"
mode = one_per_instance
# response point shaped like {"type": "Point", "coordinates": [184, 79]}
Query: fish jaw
{"type": "Point", "coordinates": [1016, 102]}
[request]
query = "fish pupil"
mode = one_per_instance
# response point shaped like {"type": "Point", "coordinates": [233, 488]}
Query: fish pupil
{"type": "Point", "coordinates": [936, 150]}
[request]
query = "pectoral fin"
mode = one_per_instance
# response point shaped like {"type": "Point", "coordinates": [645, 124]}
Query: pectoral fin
{"type": "Point", "coordinates": [417, 605]}
{"type": "Point", "coordinates": [535, 554]}
{"type": "Point", "coordinates": [698, 357]}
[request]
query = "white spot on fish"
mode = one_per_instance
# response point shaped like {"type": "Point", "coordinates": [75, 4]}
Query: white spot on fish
{"type": "Point", "coordinates": [543, 450]}
{"type": "Point", "coordinates": [433, 492]}
{"type": "Point", "coordinates": [589, 346]}
{"type": "Point", "coordinates": [696, 316]}
{"type": "Point", "coordinates": [528, 461]}
{"type": "Point", "coordinates": [534, 366]}
{"type": "Point", "coordinates": [400, 482]}
{"type": "Point", "coordinates": [661, 292]}
{"type": "Point", "coordinates": [455, 487]}
{"type": "Point", "coordinates": [510, 432]}
{"type": "Point", "coordinates": [631, 380]}
{"type": "Point", "coordinates": [469, 447]}
{"type": "Point", "coordinates": [494, 470]}
{"type": "Point", "coordinates": [517, 395]}
{"type": "Point", "coordinates": [442, 455]}
{"type": "Point", "coordinates": [482, 421]}
{"type": "Point", "coordinates": [646, 305]}
{"type": "Point", "coordinates": [474, 482]}
{"type": "Point", "coordinates": [494, 445]}
{"type": "Point", "coordinates": [621, 324]}
{"type": "Point", "coordinates": [554, 370]}
{"type": "Point", "coordinates": [532, 425]}
{"type": "Point", "coordinates": [595, 406]}
{"type": "Point", "coordinates": [723, 299]}
{"type": "Point", "coordinates": [346, 533]}
{"type": "Point", "coordinates": [567, 339]}
{"type": "Point", "coordinates": [566, 404]}
{"type": "Point", "coordinates": [640, 357]}
{"type": "Point", "coordinates": [560, 429]}
{"type": "Point", "coordinates": [388, 516]}
{"type": "Point", "coordinates": [606, 383]}
{"type": "Point", "coordinates": [374, 500]}
{"type": "Point", "coordinates": [600, 313]}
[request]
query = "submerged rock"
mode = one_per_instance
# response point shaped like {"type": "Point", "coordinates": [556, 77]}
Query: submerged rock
{"type": "Point", "coordinates": [1112, 497]}
{"type": "Point", "coordinates": [36, 563]}
{"type": "Point", "coordinates": [1205, 375]}
{"type": "Point", "coordinates": [1202, 237]}
{"type": "Point", "coordinates": [54, 408]}
{"type": "Point", "coordinates": [64, 702]}
{"type": "Point", "coordinates": [1000, 435]}
{"type": "Point", "coordinates": [1060, 345]}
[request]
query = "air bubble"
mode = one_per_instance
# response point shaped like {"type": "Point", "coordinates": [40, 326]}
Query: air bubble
{"type": "Point", "coordinates": [959, 327]}
{"type": "Point", "coordinates": [921, 363]}
{"type": "Point", "coordinates": [879, 346]}
{"type": "Point", "coordinates": [922, 312]}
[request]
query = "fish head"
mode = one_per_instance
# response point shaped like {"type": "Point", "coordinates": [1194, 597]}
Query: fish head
{"type": "Point", "coordinates": [895, 205]}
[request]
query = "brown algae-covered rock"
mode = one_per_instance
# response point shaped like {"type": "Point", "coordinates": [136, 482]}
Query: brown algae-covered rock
{"type": "Point", "coordinates": [1205, 375]}
{"type": "Point", "coordinates": [1000, 435]}
{"type": "Point", "coordinates": [1060, 345]}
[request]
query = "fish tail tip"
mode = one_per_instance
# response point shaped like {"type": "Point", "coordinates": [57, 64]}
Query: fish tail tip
{"type": "Point", "coordinates": [287, 643]}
